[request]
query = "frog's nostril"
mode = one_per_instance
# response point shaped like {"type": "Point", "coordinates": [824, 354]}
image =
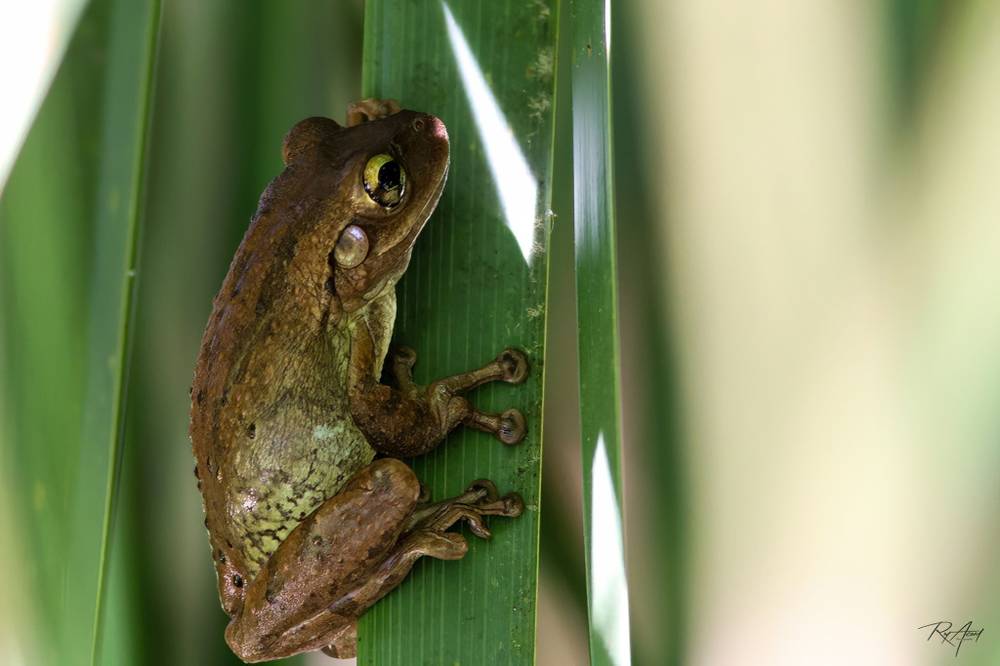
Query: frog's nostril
{"type": "Point", "coordinates": [436, 128]}
{"type": "Point", "coordinates": [430, 126]}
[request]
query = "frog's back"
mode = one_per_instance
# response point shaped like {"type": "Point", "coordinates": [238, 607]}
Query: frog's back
{"type": "Point", "coordinates": [292, 442]}
{"type": "Point", "coordinates": [270, 428]}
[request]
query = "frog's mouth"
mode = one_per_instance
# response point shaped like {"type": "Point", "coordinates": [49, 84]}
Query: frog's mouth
{"type": "Point", "coordinates": [432, 201]}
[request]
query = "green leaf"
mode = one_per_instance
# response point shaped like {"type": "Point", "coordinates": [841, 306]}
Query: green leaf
{"type": "Point", "coordinates": [914, 31]}
{"type": "Point", "coordinates": [477, 284]}
{"type": "Point", "coordinates": [597, 317]}
{"type": "Point", "coordinates": [69, 220]}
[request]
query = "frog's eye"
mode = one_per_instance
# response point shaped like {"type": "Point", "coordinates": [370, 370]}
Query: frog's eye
{"type": "Point", "coordinates": [385, 180]}
{"type": "Point", "coordinates": [352, 247]}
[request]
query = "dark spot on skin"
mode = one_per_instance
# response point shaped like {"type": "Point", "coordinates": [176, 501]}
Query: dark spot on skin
{"type": "Point", "coordinates": [210, 466]}
{"type": "Point", "coordinates": [196, 472]}
{"type": "Point", "coordinates": [206, 523]}
{"type": "Point", "coordinates": [235, 292]}
{"type": "Point", "coordinates": [237, 580]}
{"type": "Point", "coordinates": [199, 485]}
{"type": "Point", "coordinates": [201, 396]}
{"type": "Point", "coordinates": [317, 540]}
{"type": "Point", "coordinates": [252, 430]}
{"type": "Point", "coordinates": [328, 285]}
{"type": "Point", "coordinates": [286, 248]}
{"type": "Point", "coordinates": [229, 544]}
{"type": "Point", "coordinates": [261, 307]}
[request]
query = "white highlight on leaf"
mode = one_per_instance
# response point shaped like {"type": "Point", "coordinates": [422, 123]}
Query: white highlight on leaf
{"type": "Point", "coordinates": [607, 562]}
{"type": "Point", "coordinates": [516, 186]}
{"type": "Point", "coordinates": [33, 38]}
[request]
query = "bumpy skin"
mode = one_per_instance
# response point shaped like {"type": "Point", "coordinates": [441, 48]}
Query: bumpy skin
{"type": "Point", "coordinates": [288, 413]}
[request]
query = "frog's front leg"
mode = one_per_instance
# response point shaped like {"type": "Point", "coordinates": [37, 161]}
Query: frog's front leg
{"type": "Point", "coordinates": [510, 366]}
{"type": "Point", "coordinates": [411, 420]}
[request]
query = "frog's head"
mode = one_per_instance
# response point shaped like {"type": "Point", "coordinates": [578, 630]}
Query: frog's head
{"type": "Point", "coordinates": [375, 185]}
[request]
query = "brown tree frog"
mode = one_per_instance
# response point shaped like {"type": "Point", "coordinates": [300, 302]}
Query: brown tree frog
{"type": "Point", "coordinates": [311, 515]}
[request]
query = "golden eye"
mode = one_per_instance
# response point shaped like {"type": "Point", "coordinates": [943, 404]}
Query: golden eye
{"type": "Point", "coordinates": [385, 180]}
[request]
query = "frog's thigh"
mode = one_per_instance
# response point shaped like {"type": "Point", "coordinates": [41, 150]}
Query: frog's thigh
{"type": "Point", "coordinates": [286, 606]}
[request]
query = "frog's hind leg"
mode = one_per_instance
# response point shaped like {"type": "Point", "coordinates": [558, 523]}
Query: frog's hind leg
{"type": "Point", "coordinates": [287, 608]}
{"type": "Point", "coordinates": [425, 535]}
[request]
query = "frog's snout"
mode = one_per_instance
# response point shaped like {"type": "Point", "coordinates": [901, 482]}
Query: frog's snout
{"type": "Point", "coordinates": [431, 127]}
{"type": "Point", "coordinates": [437, 129]}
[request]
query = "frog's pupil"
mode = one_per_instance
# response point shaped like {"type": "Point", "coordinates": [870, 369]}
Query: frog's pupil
{"type": "Point", "coordinates": [388, 175]}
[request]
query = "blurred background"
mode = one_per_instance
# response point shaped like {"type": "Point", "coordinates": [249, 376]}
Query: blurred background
{"type": "Point", "coordinates": [809, 282]}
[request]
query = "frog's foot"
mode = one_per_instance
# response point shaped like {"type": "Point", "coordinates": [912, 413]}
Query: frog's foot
{"type": "Point", "coordinates": [510, 366]}
{"type": "Point", "coordinates": [479, 500]}
{"type": "Point", "coordinates": [507, 427]}
{"type": "Point", "coordinates": [370, 109]}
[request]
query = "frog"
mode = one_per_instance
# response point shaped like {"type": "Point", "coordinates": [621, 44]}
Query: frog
{"type": "Point", "coordinates": [312, 514]}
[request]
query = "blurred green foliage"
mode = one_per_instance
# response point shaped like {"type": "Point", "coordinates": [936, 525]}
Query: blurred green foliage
{"type": "Point", "coordinates": [915, 30]}
{"type": "Point", "coordinates": [69, 222]}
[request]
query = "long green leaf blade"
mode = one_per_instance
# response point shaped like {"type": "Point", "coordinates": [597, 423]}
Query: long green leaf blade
{"type": "Point", "coordinates": [477, 284]}
{"type": "Point", "coordinates": [68, 222]}
{"type": "Point", "coordinates": [597, 315]}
